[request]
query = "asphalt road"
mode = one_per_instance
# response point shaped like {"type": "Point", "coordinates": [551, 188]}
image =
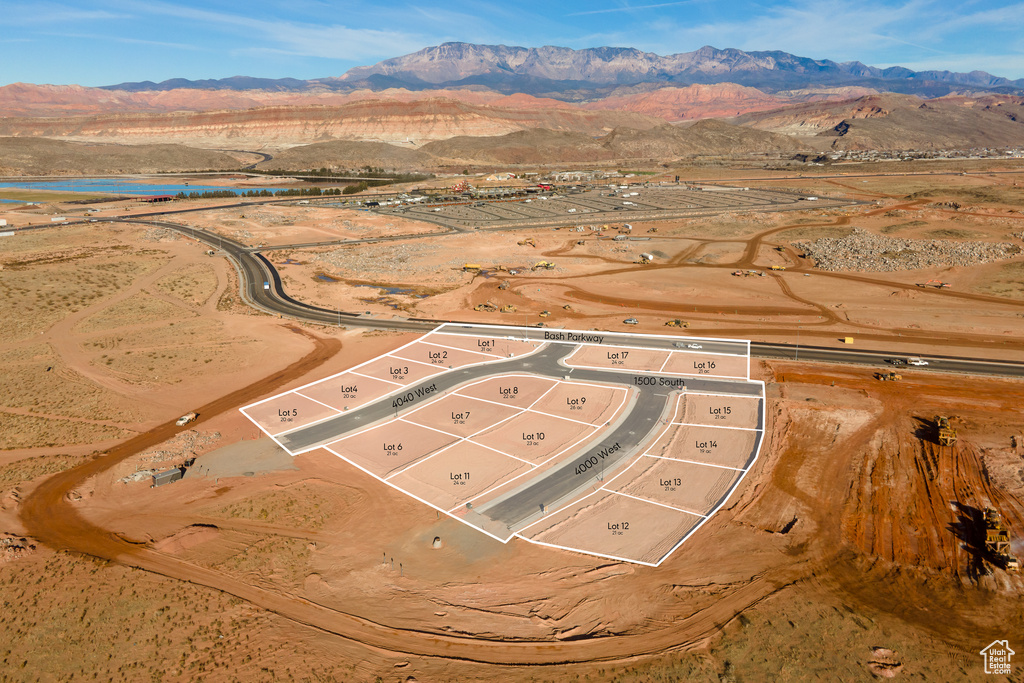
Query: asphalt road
{"type": "Point", "coordinates": [563, 481]}
{"type": "Point", "coordinates": [254, 270]}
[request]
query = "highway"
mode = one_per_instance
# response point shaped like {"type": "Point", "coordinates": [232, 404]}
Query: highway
{"type": "Point", "coordinates": [515, 509]}
{"type": "Point", "coordinates": [254, 270]}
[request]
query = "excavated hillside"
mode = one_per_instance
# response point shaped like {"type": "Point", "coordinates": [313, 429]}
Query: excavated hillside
{"type": "Point", "coordinates": [339, 155]}
{"type": "Point", "coordinates": [891, 121]}
{"type": "Point", "coordinates": [703, 138]}
{"type": "Point", "coordinates": [40, 156]}
{"type": "Point", "coordinates": [535, 146]}
{"type": "Point", "coordinates": [372, 120]}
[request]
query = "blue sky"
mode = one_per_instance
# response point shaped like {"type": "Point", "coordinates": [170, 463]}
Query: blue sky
{"type": "Point", "coordinates": [103, 43]}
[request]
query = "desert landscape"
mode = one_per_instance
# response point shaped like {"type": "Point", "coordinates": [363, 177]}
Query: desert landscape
{"type": "Point", "coordinates": [196, 276]}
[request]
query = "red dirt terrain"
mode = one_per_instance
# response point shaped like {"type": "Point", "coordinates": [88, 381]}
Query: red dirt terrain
{"type": "Point", "coordinates": [851, 502]}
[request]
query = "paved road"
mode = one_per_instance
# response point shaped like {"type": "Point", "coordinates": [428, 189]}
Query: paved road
{"type": "Point", "coordinates": [564, 481]}
{"type": "Point", "coordinates": [957, 364]}
{"type": "Point", "coordinates": [255, 269]}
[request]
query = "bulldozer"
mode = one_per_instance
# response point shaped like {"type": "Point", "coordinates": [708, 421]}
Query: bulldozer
{"type": "Point", "coordinates": [997, 541]}
{"type": "Point", "coordinates": [503, 285]}
{"type": "Point", "coordinates": [545, 314]}
{"type": "Point", "coordinates": [529, 241]}
{"type": "Point", "coordinates": [677, 323]}
{"type": "Point", "coordinates": [508, 308]}
{"type": "Point", "coordinates": [888, 376]}
{"type": "Point", "coordinates": [944, 434]}
{"type": "Point", "coordinates": [486, 307]}
{"type": "Point", "coordinates": [567, 307]}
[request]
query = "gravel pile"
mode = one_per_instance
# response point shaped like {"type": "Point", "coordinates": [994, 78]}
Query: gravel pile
{"type": "Point", "coordinates": [386, 261]}
{"type": "Point", "coordinates": [863, 250]}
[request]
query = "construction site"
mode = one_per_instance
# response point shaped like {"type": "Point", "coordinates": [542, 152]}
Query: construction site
{"type": "Point", "coordinates": [263, 500]}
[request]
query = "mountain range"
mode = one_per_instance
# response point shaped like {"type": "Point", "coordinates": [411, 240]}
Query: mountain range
{"type": "Point", "coordinates": [576, 75]}
{"type": "Point", "coordinates": [460, 103]}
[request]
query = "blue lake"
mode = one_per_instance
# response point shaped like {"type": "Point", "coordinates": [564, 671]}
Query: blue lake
{"type": "Point", "coordinates": [115, 186]}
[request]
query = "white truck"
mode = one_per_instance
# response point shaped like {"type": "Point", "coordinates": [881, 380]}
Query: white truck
{"type": "Point", "coordinates": [186, 418]}
{"type": "Point", "coordinates": [914, 360]}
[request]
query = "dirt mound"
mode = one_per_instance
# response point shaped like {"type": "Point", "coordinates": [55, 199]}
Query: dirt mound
{"type": "Point", "coordinates": [347, 154]}
{"type": "Point", "coordinates": [534, 146]}
{"type": "Point", "coordinates": [189, 537]}
{"type": "Point", "coordinates": [40, 156]}
{"type": "Point", "coordinates": [704, 138]}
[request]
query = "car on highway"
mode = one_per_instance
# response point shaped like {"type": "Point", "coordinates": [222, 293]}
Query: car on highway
{"type": "Point", "coordinates": [897, 361]}
{"type": "Point", "coordinates": [631, 321]}
{"type": "Point", "coordinates": [916, 361]}
{"type": "Point", "coordinates": [693, 346]}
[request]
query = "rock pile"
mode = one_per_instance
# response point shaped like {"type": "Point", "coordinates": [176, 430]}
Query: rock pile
{"type": "Point", "coordinates": [864, 251]}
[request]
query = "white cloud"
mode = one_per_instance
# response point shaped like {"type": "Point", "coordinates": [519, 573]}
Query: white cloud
{"type": "Point", "coordinates": [332, 41]}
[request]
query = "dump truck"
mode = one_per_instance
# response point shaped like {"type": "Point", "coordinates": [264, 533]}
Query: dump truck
{"type": "Point", "coordinates": [545, 314]}
{"type": "Point", "coordinates": [888, 376]}
{"type": "Point", "coordinates": [186, 418]}
{"type": "Point", "coordinates": [677, 323]}
{"type": "Point", "coordinates": [944, 434]}
{"type": "Point", "coordinates": [546, 265]}
{"type": "Point", "coordinates": [508, 308]}
{"type": "Point", "coordinates": [778, 267]}
{"type": "Point", "coordinates": [472, 268]}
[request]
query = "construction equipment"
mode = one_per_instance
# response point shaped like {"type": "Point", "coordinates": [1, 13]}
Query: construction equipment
{"type": "Point", "coordinates": [528, 241]}
{"type": "Point", "coordinates": [472, 268]}
{"type": "Point", "coordinates": [778, 267]}
{"type": "Point", "coordinates": [997, 541]}
{"type": "Point", "coordinates": [545, 314]}
{"type": "Point", "coordinates": [503, 285]}
{"type": "Point", "coordinates": [508, 308]}
{"type": "Point", "coordinates": [546, 265]}
{"type": "Point", "coordinates": [847, 340]}
{"type": "Point", "coordinates": [937, 284]}
{"type": "Point", "coordinates": [185, 419]}
{"type": "Point", "coordinates": [567, 307]}
{"type": "Point", "coordinates": [677, 323]}
{"type": "Point", "coordinates": [944, 434]}
{"type": "Point", "coordinates": [486, 306]}
{"type": "Point", "coordinates": [888, 376]}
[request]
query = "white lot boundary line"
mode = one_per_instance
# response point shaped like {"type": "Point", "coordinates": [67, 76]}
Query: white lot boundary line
{"type": "Point", "coordinates": [541, 412]}
{"type": "Point", "coordinates": [670, 352]}
{"type": "Point", "coordinates": [320, 402]}
{"type": "Point", "coordinates": [309, 424]}
{"type": "Point", "coordinates": [587, 552]}
{"type": "Point", "coordinates": [460, 439]}
{"type": "Point", "coordinates": [574, 444]}
{"type": "Point", "coordinates": [381, 379]}
{"type": "Point", "coordinates": [337, 374]}
{"type": "Point", "coordinates": [415, 497]}
{"type": "Point", "coordinates": [693, 462]}
{"type": "Point", "coordinates": [262, 428]}
{"type": "Point", "coordinates": [504, 331]}
{"type": "Point", "coordinates": [728, 493]}
{"type": "Point", "coordinates": [653, 372]}
{"type": "Point", "coordinates": [654, 502]}
{"type": "Point", "coordinates": [667, 359]}
{"type": "Point", "coordinates": [455, 348]}
{"type": "Point", "coordinates": [436, 366]}
{"type": "Point", "coordinates": [691, 424]}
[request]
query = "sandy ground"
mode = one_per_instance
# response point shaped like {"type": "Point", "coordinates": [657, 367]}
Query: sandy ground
{"type": "Point", "coordinates": [853, 538]}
